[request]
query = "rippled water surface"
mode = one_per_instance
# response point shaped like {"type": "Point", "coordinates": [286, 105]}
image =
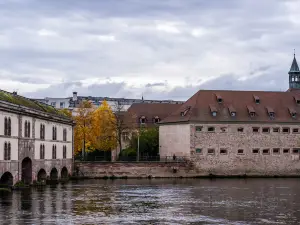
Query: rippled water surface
{"type": "Point", "coordinates": [221, 201]}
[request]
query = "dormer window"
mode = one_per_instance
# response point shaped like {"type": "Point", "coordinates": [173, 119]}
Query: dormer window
{"type": "Point", "coordinates": [213, 110]}
{"type": "Point", "coordinates": [183, 113]}
{"type": "Point", "coordinates": [156, 119]}
{"type": "Point", "coordinates": [251, 111]}
{"type": "Point", "coordinates": [232, 111]}
{"type": "Point", "coordinates": [256, 99]}
{"type": "Point", "coordinates": [297, 100]}
{"type": "Point", "coordinates": [219, 99]}
{"type": "Point", "coordinates": [271, 112]}
{"type": "Point", "coordinates": [293, 112]}
{"type": "Point", "coordinates": [143, 120]}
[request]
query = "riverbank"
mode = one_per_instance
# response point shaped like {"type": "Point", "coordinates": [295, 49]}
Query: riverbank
{"type": "Point", "coordinates": [156, 170]}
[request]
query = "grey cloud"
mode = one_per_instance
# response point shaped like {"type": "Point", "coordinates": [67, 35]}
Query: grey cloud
{"type": "Point", "coordinates": [248, 39]}
{"type": "Point", "coordinates": [108, 89]}
{"type": "Point", "coordinates": [155, 85]}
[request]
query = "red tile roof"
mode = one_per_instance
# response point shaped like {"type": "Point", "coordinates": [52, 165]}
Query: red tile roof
{"type": "Point", "coordinates": [243, 102]}
{"type": "Point", "coordinates": [150, 111]}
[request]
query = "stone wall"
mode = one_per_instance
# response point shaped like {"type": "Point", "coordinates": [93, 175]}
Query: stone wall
{"type": "Point", "coordinates": [226, 140]}
{"type": "Point", "coordinates": [134, 169]}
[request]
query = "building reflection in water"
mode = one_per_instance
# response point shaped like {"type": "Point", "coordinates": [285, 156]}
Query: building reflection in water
{"type": "Point", "coordinates": [43, 205]}
{"type": "Point", "coordinates": [223, 201]}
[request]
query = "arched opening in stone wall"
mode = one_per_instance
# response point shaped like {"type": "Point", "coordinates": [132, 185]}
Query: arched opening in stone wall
{"type": "Point", "coordinates": [64, 173]}
{"type": "Point", "coordinates": [7, 179]}
{"type": "Point", "coordinates": [27, 170]}
{"type": "Point", "coordinates": [54, 174]}
{"type": "Point", "coordinates": [42, 175]}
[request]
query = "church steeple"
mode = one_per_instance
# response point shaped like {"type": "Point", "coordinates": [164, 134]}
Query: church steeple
{"type": "Point", "coordinates": [294, 75]}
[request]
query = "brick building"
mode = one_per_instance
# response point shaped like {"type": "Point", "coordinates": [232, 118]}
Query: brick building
{"type": "Point", "coordinates": [238, 132]}
{"type": "Point", "coordinates": [36, 141]}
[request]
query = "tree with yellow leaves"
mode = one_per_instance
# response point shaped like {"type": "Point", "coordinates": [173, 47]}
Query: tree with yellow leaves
{"type": "Point", "coordinates": [82, 131]}
{"type": "Point", "coordinates": [103, 128]}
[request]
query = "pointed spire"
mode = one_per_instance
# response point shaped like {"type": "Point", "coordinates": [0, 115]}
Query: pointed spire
{"type": "Point", "coordinates": [294, 66]}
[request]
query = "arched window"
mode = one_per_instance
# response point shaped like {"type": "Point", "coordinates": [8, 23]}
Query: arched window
{"type": "Point", "coordinates": [54, 152]}
{"type": "Point", "coordinates": [65, 134]}
{"type": "Point", "coordinates": [28, 126]}
{"type": "Point", "coordinates": [7, 151]}
{"type": "Point", "coordinates": [64, 152]}
{"type": "Point", "coordinates": [54, 133]}
{"type": "Point", "coordinates": [5, 125]}
{"type": "Point", "coordinates": [42, 151]}
{"type": "Point", "coordinates": [42, 131]}
{"type": "Point", "coordinates": [25, 129]}
{"type": "Point", "coordinates": [9, 127]}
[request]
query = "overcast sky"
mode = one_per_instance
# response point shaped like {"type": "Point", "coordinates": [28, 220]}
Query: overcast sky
{"type": "Point", "coordinates": [163, 49]}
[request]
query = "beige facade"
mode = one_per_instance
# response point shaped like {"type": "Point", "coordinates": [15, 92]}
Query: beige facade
{"type": "Point", "coordinates": [20, 151]}
{"type": "Point", "coordinates": [235, 149]}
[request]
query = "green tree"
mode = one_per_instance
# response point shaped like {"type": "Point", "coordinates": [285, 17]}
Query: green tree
{"type": "Point", "coordinates": [148, 142]}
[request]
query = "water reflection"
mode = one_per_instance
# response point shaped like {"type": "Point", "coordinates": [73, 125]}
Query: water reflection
{"type": "Point", "coordinates": [252, 201]}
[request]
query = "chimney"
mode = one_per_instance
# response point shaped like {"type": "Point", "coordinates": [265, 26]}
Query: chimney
{"type": "Point", "coordinates": [74, 96]}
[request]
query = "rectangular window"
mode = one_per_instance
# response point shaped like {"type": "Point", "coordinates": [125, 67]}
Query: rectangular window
{"type": "Point", "coordinates": [255, 151]}
{"type": "Point", "coordinates": [266, 151]}
{"type": "Point", "coordinates": [211, 129]}
{"type": "Point", "coordinates": [198, 150]}
{"type": "Point", "coordinates": [266, 130]}
{"type": "Point", "coordinates": [240, 129]}
{"type": "Point", "coordinates": [275, 130]}
{"type": "Point", "coordinates": [286, 150]}
{"type": "Point", "coordinates": [211, 151]}
{"type": "Point", "coordinates": [240, 151]}
{"type": "Point", "coordinates": [62, 105]}
{"type": "Point", "coordinates": [295, 130]}
{"type": "Point", "coordinates": [53, 104]}
{"type": "Point", "coordinates": [295, 151]}
{"type": "Point", "coordinates": [125, 136]}
{"type": "Point", "coordinates": [276, 151]}
{"type": "Point", "coordinates": [255, 129]}
{"type": "Point", "coordinates": [223, 151]}
{"type": "Point", "coordinates": [286, 130]}
{"type": "Point", "coordinates": [199, 128]}
{"type": "Point", "coordinates": [223, 129]}
{"type": "Point", "coordinates": [64, 152]}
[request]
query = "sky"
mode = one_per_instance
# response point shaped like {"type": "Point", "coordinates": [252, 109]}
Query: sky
{"type": "Point", "coordinates": [161, 49]}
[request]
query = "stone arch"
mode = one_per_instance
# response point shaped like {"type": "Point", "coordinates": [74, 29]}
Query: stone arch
{"type": "Point", "coordinates": [7, 179]}
{"type": "Point", "coordinates": [54, 174]}
{"type": "Point", "coordinates": [42, 175]}
{"type": "Point", "coordinates": [27, 170]}
{"type": "Point", "coordinates": [64, 173]}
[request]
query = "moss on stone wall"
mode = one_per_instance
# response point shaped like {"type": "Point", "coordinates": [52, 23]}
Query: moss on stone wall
{"type": "Point", "coordinates": [19, 100]}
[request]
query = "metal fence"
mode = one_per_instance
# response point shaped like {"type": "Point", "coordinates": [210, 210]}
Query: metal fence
{"type": "Point", "coordinates": [166, 159]}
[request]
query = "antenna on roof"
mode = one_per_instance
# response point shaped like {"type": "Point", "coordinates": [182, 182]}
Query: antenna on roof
{"type": "Point", "coordinates": [294, 52]}
{"type": "Point", "coordinates": [142, 96]}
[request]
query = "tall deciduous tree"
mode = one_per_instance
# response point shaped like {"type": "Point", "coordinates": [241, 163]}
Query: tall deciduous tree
{"type": "Point", "coordinates": [122, 123]}
{"type": "Point", "coordinates": [83, 128]}
{"type": "Point", "coordinates": [103, 128]}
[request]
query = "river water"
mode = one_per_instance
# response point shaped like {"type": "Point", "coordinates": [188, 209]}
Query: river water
{"type": "Point", "coordinates": [161, 201]}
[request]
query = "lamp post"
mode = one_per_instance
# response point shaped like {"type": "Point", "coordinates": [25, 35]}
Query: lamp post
{"type": "Point", "coordinates": [138, 148]}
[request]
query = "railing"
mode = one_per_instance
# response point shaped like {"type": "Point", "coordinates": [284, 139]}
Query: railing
{"type": "Point", "coordinates": [169, 159]}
